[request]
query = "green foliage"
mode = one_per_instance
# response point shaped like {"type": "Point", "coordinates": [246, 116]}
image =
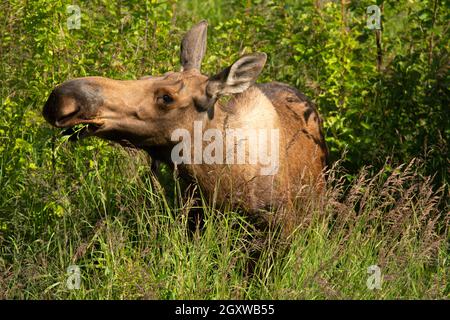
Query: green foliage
{"type": "Point", "coordinates": [53, 192]}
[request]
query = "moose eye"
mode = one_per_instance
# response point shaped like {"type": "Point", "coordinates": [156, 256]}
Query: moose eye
{"type": "Point", "coordinates": [167, 99]}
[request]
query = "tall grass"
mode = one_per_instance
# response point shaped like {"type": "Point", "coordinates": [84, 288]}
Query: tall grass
{"type": "Point", "coordinates": [130, 238]}
{"type": "Point", "coordinates": [98, 207]}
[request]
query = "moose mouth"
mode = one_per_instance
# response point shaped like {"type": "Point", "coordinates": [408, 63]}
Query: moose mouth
{"type": "Point", "coordinates": [81, 130]}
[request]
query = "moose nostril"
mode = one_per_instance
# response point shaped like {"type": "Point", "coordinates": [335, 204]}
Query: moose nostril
{"type": "Point", "coordinates": [60, 108]}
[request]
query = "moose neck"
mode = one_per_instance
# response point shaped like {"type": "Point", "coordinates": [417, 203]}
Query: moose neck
{"type": "Point", "coordinates": [249, 110]}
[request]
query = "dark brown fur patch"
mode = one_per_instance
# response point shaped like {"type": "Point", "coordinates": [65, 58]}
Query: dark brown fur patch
{"type": "Point", "coordinates": [307, 114]}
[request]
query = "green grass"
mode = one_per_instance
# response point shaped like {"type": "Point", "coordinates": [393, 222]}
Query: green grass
{"type": "Point", "coordinates": [97, 206]}
{"type": "Point", "coordinates": [131, 241]}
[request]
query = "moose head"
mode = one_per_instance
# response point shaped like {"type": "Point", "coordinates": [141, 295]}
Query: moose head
{"type": "Point", "coordinates": [145, 112]}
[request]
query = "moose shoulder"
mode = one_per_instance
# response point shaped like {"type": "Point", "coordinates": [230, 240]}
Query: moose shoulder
{"type": "Point", "coordinates": [255, 145]}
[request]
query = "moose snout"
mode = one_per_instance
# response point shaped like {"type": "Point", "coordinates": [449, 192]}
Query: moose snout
{"type": "Point", "coordinates": [50, 108]}
{"type": "Point", "coordinates": [71, 101]}
{"type": "Point", "coordinates": [59, 108]}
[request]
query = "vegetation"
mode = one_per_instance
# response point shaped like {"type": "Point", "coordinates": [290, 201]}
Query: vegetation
{"type": "Point", "coordinates": [93, 204]}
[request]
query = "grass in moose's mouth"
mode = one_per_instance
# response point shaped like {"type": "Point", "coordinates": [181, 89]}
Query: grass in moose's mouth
{"type": "Point", "coordinates": [131, 241]}
{"type": "Point", "coordinates": [76, 132]}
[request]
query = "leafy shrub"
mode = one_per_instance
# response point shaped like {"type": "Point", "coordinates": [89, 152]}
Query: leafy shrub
{"type": "Point", "coordinates": [54, 193]}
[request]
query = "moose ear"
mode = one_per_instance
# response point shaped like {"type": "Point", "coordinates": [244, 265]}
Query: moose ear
{"type": "Point", "coordinates": [237, 77]}
{"type": "Point", "coordinates": [193, 46]}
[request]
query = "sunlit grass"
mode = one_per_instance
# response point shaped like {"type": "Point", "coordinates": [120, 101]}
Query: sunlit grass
{"type": "Point", "coordinates": [97, 206]}
{"type": "Point", "coordinates": [131, 241]}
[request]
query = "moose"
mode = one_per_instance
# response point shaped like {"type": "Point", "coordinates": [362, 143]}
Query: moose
{"type": "Point", "coordinates": [145, 113]}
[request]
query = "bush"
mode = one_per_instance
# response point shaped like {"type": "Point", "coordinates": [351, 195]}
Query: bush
{"type": "Point", "coordinates": [385, 115]}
